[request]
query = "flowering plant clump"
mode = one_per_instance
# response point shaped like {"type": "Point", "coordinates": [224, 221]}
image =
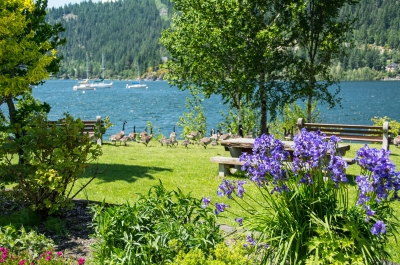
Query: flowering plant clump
{"type": "Point", "coordinates": [47, 258]}
{"type": "Point", "coordinates": [299, 208]}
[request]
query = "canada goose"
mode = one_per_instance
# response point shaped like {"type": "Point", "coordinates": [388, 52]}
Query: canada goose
{"type": "Point", "coordinates": [146, 139]}
{"type": "Point", "coordinates": [121, 134]}
{"type": "Point", "coordinates": [165, 141]}
{"type": "Point", "coordinates": [225, 136]}
{"type": "Point", "coordinates": [173, 141]}
{"type": "Point", "coordinates": [185, 143]}
{"type": "Point", "coordinates": [204, 142]}
{"type": "Point", "coordinates": [396, 140]}
{"type": "Point", "coordinates": [288, 134]}
{"type": "Point", "coordinates": [132, 135]}
{"type": "Point", "coordinates": [193, 135]}
{"type": "Point", "coordinates": [172, 135]}
{"type": "Point", "coordinates": [144, 133]}
{"type": "Point", "coordinates": [214, 136]}
{"type": "Point", "coordinates": [124, 139]}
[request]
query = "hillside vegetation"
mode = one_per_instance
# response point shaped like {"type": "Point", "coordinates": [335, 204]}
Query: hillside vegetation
{"type": "Point", "coordinates": [127, 33]}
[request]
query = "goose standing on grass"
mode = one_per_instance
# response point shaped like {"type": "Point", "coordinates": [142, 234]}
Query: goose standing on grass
{"type": "Point", "coordinates": [185, 143]}
{"type": "Point", "coordinates": [117, 137]}
{"type": "Point", "coordinates": [214, 136]}
{"type": "Point", "coordinates": [144, 133]}
{"type": "Point", "coordinates": [225, 136]}
{"type": "Point", "coordinates": [172, 135]}
{"type": "Point", "coordinates": [132, 135]}
{"type": "Point", "coordinates": [194, 135]}
{"type": "Point", "coordinates": [396, 140]}
{"type": "Point", "coordinates": [146, 139]}
{"type": "Point", "coordinates": [204, 141]}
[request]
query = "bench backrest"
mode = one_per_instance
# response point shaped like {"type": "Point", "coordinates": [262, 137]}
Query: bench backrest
{"type": "Point", "coordinates": [349, 132]}
{"type": "Point", "coordinates": [89, 127]}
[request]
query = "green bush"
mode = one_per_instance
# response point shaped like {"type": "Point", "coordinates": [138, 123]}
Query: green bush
{"type": "Point", "coordinates": [154, 229]}
{"type": "Point", "coordinates": [51, 159]}
{"type": "Point", "coordinates": [394, 125]}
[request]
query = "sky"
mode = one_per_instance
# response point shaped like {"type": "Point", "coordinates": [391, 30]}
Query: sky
{"type": "Point", "coordinates": [59, 3]}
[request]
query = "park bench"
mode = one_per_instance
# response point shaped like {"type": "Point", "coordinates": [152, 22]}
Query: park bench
{"type": "Point", "coordinates": [351, 133]}
{"type": "Point", "coordinates": [90, 127]}
{"type": "Point", "coordinates": [225, 164]}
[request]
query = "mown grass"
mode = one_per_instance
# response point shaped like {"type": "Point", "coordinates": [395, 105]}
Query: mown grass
{"type": "Point", "coordinates": [130, 170]}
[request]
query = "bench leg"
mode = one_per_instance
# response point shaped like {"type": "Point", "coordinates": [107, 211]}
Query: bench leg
{"type": "Point", "coordinates": [224, 170]}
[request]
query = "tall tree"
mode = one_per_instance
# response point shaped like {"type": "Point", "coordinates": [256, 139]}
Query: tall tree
{"type": "Point", "coordinates": [28, 50]}
{"type": "Point", "coordinates": [321, 37]}
{"type": "Point", "coordinates": [225, 48]}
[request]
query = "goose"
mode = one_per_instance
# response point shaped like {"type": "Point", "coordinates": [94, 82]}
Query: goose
{"type": "Point", "coordinates": [147, 138]}
{"type": "Point", "coordinates": [172, 134]}
{"type": "Point", "coordinates": [174, 142]}
{"type": "Point", "coordinates": [396, 140]}
{"type": "Point", "coordinates": [193, 135]}
{"type": "Point", "coordinates": [214, 136]}
{"type": "Point", "coordinates": [204, 142]}
{"type": "Point", "coordinates": [144, 133]}
{"type": "Point", "coordinates": [116, 137]}
{"type": "Point", "coordinates": [132, 135]}
{"type": "Point", "coordinates": [288, 134]}
{"type": "Point", "coordinates": [165, 141]}
{"type": "Point", "coordinates": [225, 136]}
{"type": "Point", "coordinates": [185, 143]}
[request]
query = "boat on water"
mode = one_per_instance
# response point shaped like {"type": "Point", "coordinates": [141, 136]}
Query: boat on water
{"type": "Point", "coordinates": [100, 82]}
{"type": "Point", "coordinates": [136, 84]}
{"type": "Point", "coordinates": [84, 85]}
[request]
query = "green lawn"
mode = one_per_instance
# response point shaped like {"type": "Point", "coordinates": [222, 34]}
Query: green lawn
{"type": "Point", "coordinates": [132, 169]}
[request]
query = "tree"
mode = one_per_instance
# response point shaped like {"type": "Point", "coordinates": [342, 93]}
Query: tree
{"type": "Point", "coordinates": [321, 37]}
{"type": "Point", "coordinates": [227, 48]}
{"type": "Point", "coordinates": [28, 50]}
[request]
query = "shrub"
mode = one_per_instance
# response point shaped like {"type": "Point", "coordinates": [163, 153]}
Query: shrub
{"type": "Point", "coordinates": [306, 213]}
{"type": "Point", "coordinates": [154, 229]}
{"type": "Point", "coordinates": [53, 158]}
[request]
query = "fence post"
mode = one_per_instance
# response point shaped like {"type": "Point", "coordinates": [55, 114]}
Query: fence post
{"type": "Point", "coordinates": [100, 139]}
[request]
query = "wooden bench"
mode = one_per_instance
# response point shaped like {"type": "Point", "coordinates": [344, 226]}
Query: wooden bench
{"type": "Point", "coordinates": [225, 164]}
{"type": "Point", "coordinates": [350, 133]}
{"type": "Point", "coordinates": [90, 127]}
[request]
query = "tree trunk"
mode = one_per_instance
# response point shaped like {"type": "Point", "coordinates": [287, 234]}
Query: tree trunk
{"type": "Point", "coordinates": [263, 99]}
{"type": "Point", "coordinates": [13, 120]}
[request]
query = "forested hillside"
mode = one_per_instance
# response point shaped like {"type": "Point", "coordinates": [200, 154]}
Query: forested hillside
{"type": "Point", "coordinates": [127, 33]}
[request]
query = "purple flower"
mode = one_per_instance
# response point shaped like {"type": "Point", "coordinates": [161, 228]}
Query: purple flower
{"type": "Point", "coordinates": [251, 240]}
{"type": "Point", "coordinates": [220, 207]}
{"type": "Point", "coordinates": [239, 189]}
{"type": "Point", "coordinates": [378, 228]}
{"type": "Point", "coordinates": [226, 188]}
{"type": "Point", "coordinates": [239, 220]}
{"type": "Point", "coordinates": [206, 201]}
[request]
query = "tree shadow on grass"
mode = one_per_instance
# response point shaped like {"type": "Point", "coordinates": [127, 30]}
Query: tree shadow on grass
{"type": "Point", "coordinates": [128, 173]}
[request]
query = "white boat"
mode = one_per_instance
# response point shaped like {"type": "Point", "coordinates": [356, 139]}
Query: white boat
{"type": "Point", "coordinates": [84, 85]}
{"type": "Point", "coordinates": [136, 84]}
{"type": "Point", "coordinates": [100, 83]}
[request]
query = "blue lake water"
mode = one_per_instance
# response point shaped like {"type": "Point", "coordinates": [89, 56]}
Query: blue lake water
{"type": "Point", "coordinates": [163, 105]}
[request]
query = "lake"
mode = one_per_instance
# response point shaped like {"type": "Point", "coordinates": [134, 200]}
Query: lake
{"type": "Point", "coordinates": [163, 105]}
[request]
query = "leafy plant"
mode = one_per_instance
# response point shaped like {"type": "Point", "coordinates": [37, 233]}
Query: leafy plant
{"type": "Point", "coordinates": [54, 158]}
{"type": "Point", "coordinates": [393, 124]}
{"type": "Point", "coordinates": [194, 120]}
{"type": "Point", "coordinates": [250, 124]}
{"type": "Point", "coordinates": [302, 211]}
{"type": "Point", "coordinates": [153, 230]}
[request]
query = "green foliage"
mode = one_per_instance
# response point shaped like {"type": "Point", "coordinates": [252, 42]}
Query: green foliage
{"type": "Point", "coordinates": [54, 157]}
{"type": "Point", "coordinates": [250, 121]}
{"type": "Point", "coordinates": [21, 240]}
{"type": "Point", "coordinates": [153, 230]}
{"type": "Point", "coordinates": [194, 120]}
{"type": "Point", "coordinates": [393, 124]}
{"type": "Point", "coordinates": [290, 113]}
{"type": "Point", "coordinates": [223, 254]}
{"type": "Point", "coordinates": [22, 247]}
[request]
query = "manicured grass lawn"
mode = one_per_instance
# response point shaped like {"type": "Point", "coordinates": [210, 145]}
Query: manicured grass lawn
{"type": "Point", "coordinates": [132, 169]}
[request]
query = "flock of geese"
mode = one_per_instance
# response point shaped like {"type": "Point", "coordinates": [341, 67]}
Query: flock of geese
{"type": "Point", "coordinates": [192, 138]}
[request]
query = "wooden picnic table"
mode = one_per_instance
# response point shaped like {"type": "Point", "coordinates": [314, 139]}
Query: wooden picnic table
{"type": "Point", "coordinates": [238, 146]}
